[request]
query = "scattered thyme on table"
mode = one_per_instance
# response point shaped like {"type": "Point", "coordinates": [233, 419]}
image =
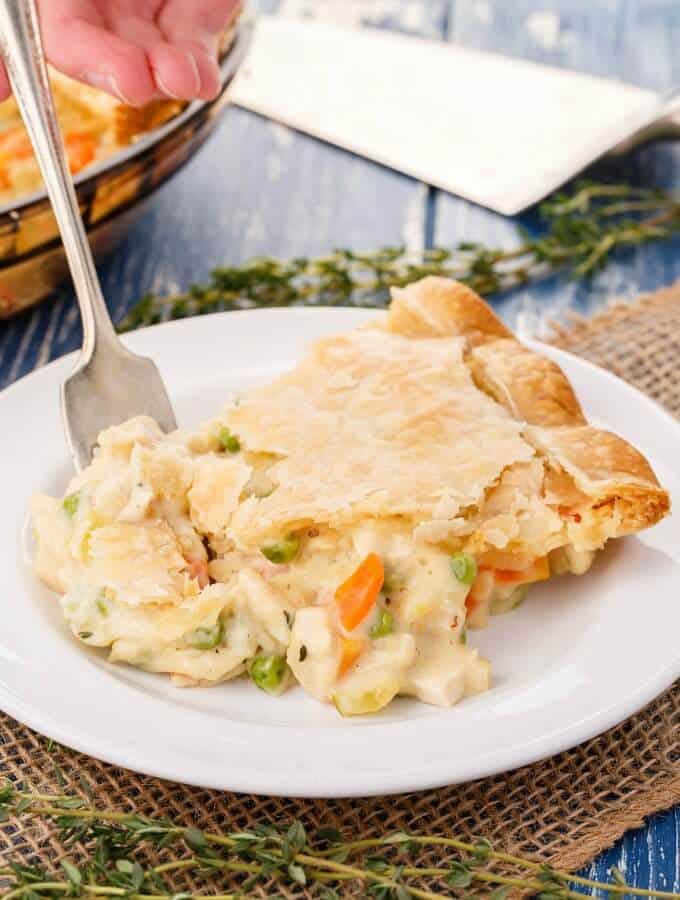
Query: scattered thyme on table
{"type": "Point", "coordinates": [582, 230]}
{"type": "Point", "coordinates": [107, 860]}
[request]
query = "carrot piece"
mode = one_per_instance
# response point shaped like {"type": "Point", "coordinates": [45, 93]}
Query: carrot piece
{"type": "Point", "coordinates": [480, 592]}
{"type": "Point", "coordinates": [80, 148]}
{"type": "Point", "coordinates": [356, 596]}
{"type": "Point", "coordinates": [15, 144]}
{"type": "Point", "coordinates": [350, 651]}
{"type": "Point", "coordinates": [539, 570]}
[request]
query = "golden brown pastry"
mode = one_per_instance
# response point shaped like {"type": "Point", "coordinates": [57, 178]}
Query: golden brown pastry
{"type": "Point", "coordinates": [349, 521]}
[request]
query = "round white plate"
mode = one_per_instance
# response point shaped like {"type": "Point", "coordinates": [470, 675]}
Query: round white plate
{"type": "Point", "coordinates": [578, 657]}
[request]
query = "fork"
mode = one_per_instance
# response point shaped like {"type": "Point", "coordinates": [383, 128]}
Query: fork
{"type": "Point", "coordinates": [109, 383]}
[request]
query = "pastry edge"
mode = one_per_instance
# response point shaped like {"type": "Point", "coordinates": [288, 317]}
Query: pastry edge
{"type": "Point", "coordinates": [612, 473]}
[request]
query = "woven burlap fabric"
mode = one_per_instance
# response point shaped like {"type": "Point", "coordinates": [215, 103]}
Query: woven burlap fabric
{"type": "Point", "coordinates": [563, 810]}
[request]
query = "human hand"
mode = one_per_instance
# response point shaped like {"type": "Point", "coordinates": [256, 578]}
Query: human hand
{"type": "Point", "coordinates": [136, 50]}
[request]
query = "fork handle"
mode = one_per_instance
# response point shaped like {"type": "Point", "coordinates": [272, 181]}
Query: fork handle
{"type": "Point", "coordinates": [21, 47]}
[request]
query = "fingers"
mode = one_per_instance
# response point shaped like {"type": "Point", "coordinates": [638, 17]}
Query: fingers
{"type": "Point", "coordinates": [175, 71]}
{"type": "Point", "coordinates": [205, 68]}
{"type": "Point", "coordinates": [5, 89]}
{"type": "Point", "coordinates": [95, 55]}
{"type": "Point", "coordinates": [173, 68]}
{"type": "Point", "coordinates": [200, 20]}
{"type": "Point", "coordinates": [196, 27]}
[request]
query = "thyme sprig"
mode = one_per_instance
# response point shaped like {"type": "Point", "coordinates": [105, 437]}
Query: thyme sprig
{"type": "Point", "coordinates": [104, 857]}
{"type": "Point", "coordinates": [581, 231]}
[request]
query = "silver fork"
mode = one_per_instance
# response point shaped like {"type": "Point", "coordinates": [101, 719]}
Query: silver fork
{"type": "Point", "coordinates": [109, 383]}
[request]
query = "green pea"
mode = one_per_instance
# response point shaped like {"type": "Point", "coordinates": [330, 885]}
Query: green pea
{"type": "Point", "coordinates": [464, 567]}
{"type": "Point", "coordinates": [70, 504]}
{"type": "Point", "coordinates": [383, 626]}
{"type": "Point", "coordinates": [268, 673]}
{"type": "Point", "coordinates": [205, 638]}
{"type": "Point", "coordinates": [229, 441]}
{"type": "Point", "coordinates": [283, 551]}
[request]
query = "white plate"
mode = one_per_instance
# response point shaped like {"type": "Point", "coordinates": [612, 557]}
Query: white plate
{"type": "Point", "coordinates": [578, 657]}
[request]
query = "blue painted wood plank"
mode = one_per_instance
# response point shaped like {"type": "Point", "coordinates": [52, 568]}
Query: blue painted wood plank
{"type": "Point", "coordinates": [601, 38]}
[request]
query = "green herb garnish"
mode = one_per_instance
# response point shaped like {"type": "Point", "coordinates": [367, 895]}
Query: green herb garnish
{"type": "Point", "coordinates": [274, 858]}
{"type": "Point", "coordinates": [583, 229]}
{"type": "Point", "coordinates": [464, 567]}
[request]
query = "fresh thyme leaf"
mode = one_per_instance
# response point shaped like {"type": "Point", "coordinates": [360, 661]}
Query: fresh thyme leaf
{"type": "Point", "coordinates": [481, 853]}
{"type": "Point", "coordinates": [195, 839]}
{"type": "Point", "coordinates": [581, 231]}
{"type": "Point", "coordinates": [459, 875]}
{"type": "Point", "coordinates": [500, 893]}
{"type": "Point", "coordinates": [73, 873]}
{"type": "Point", "coordinates": [327, 893]}
{"type": "Point", "coordinates": [87, 787]}
{"type": "Point", "coordinates": [617, 875]}
{"type": "Point", "coordinates": [297, 874]}
{"type": "Point", "coordinates": [399, 837]}
{"type": "Point", "coordinates": [261, 858]}
{"type": "Point", "coordinates": [296, 836]}
{"type": "Point", "coordinates": [329, 835]}
{"type": "Point", "coordinates": [377, 864]}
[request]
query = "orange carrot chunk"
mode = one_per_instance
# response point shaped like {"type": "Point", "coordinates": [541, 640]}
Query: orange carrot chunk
{"type": "Point", "coordinates": [15, 144]}
{"type": "Point", "coordinates": [80, 149]}
{"type": "Point", "coordinates": [350, 651]}
{"type": "Point", "coordinates": [356, 596]}
{"type": "Point", "coordinates": [481, 590]}
{"type": "Point", "coordinates": [539, 570]}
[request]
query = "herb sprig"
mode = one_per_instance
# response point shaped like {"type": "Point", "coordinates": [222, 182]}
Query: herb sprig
{"type": "Point", "coordinates": [582, 230]}
{"type": "Point", "coordinates": [104, 857]}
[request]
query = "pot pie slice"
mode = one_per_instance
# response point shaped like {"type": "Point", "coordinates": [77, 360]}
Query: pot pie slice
{"type": "Point", "coordinates": [349, 524]}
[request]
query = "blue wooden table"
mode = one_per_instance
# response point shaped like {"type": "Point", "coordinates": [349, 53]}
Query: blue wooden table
{"type": "Point", "coordinates": [259, 188]}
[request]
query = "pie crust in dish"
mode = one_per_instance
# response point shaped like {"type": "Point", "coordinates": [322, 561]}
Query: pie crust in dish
{"type": "Point", "coordinates": [346, 525]}
{"type": "Point", "coordinates": [94, 127]}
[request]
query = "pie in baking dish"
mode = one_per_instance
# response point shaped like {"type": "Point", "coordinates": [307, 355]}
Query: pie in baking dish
{"type": "Point", "coordinates": [346, 525]}
{"type": "Point", "coordinates": [94, 126]}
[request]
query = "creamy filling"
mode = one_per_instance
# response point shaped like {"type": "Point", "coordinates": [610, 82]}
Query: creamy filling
{"type": "Point", "coordinates": [143, 559]}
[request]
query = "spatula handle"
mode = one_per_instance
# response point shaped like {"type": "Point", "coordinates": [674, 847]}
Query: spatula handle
{"type": "Point", "coordinates": [21, 47]}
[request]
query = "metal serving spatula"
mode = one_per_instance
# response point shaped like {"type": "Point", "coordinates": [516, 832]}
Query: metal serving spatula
{"type": "Point", "coordinates": [499, 131]}
{"type": "Point", "coordinates": [109, 384]}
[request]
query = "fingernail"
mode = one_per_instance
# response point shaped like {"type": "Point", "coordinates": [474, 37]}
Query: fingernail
{"type": "Point", "coordinates": [215, 78]}
{"type": "Point", "coordinates": [194, 92]}
{"type": "Point", "coordinates": [105, 81]}
{"type": "Point", "coordinates": [160, 84]}
{"type": "Point", "coordinates": [197, 74]}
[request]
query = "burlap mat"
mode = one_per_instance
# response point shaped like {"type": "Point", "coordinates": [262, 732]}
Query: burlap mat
{"type": "Point", "coordinates": [564, 810]}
